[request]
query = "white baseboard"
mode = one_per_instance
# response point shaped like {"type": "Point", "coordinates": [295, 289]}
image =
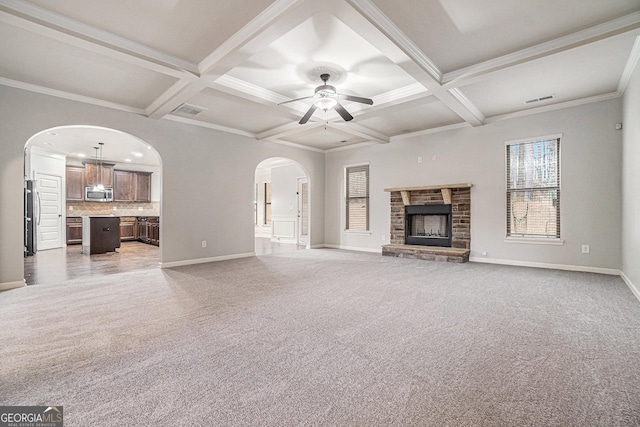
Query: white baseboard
{"type": "Point", "coordinates": [631, 286]}
{"type": "Point", "coordinates": [351, 248]}
{"type": "Point", "coordinates": [205, 260]}
{"type": "Point", "coordinates": [12, 285]}
{"type": "Point", "coordinates": [610, 271]}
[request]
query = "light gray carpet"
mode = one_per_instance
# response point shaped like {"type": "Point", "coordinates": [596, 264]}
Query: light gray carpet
{"type": "Point", "coordinates": [326, 337]}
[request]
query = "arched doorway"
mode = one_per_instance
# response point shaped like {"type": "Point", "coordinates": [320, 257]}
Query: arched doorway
{"type": "Point", "coordinates": [63, 168]}
{"type": "Point", "coordinates": [281, 206]}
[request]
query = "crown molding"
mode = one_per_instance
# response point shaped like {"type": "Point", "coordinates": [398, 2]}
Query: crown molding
{"type": "Point", "coordinates": [294, 145]}
{"type": "Point", "coordinates": [198, 123]}
{"type": "Point", "coordinates": [439, 129]}
{"type": "Point", "coordinates": [630, 66]}
{"type": "Point", "coordinates": [70, 96]}
{"type": "Point", "coordinates": [554, 107]}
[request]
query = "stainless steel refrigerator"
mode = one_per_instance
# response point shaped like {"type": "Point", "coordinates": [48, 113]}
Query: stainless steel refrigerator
{"type": "Point", "coordinates": [31, 217]}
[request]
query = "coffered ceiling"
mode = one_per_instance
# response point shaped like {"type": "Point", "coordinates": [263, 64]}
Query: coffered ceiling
{"type": "Point", "coordinates": [428, 65]}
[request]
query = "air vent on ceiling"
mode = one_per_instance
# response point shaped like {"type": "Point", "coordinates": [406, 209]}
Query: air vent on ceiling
{"type": "Point", "coordinates": [542, 98]}
{"type": "Point", "coordinates": [189, 110]}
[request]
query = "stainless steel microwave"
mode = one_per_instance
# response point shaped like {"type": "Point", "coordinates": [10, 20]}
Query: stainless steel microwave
{"type": "Point", "coordinates": [94, 195]}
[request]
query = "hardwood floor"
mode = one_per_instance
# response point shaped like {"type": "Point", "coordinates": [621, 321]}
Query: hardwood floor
{"type": "Point", "coordinates": [59, 265]}
{"type": "Point", "coordinates": [265, 246]}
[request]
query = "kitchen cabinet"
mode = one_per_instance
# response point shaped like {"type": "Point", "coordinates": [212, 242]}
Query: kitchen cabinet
{"type": "Point", "coordinates": [122, 186]}
{"type": "Point", "coordinates": [149, 230]}
{"type": "Point", "coordinates": [75, 183]}
{"type": "Point", "coordinates": [153, 233]}
{"type": "Point", "coordinates": [128, 228]}
{"type": "Point", "coordinates": [93, 171]}
{"type": "Point", "coordinates": [131, 186]}
{"type": "Point", "coordinates": [142, 182]}
{"type": "Point", "coordinates": [100, 234]}
{"type": "Point", "coordinates": [74, 230]}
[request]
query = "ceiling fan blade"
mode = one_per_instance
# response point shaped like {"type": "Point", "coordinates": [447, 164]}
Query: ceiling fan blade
{"type": "Point", "coordinates": [343, 113]}
{"type": "Point", "coordinates": [308, 114]}
{"type": "Point", "coordinates": [357, 99]}
{"type": "Point", "coordinates": [297, 99]}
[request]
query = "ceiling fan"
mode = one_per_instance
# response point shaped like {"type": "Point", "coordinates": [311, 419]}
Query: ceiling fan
{"type": "Point", "coordinates": [325, 98]}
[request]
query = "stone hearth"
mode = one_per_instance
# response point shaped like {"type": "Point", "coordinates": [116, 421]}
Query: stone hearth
{"type": "Point", "coordinates": [457, 195]}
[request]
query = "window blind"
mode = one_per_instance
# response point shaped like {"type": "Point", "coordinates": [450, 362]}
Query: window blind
{"type": "Point", "coordinates": [357, 197]}
{"type": "Point", "coordinates": [533, 189]}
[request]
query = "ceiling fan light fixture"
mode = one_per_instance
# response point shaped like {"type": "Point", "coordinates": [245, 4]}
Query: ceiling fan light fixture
{"type": "Point", "coordinates": [325, 103]}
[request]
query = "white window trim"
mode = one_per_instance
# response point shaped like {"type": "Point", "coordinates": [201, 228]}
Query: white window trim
{"type": "Point", "coordinates": [345, 230]}
{"type": "Point", "coordinates": [533, 240]}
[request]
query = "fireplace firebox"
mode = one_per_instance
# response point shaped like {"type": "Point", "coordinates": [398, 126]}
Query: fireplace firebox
{"type": "Point", "coordinates": [428, 225]}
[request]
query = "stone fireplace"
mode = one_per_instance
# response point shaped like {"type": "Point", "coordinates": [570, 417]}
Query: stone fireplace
{"type": "Point", "coordinates": [431, 222]}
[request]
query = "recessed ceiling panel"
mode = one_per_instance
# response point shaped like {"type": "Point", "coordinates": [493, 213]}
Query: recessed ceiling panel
{"type": "Point", "coordinates": [412, 117]}
{"type": "Point", "coordinates": [38, 60]}
{"type": "Point", "coordinates": [230, 111]}
{"type": "Point", "coordinates": [324, 138]}
{"type": "Point", "coordinates": [458, 33]}
{"type": "Point", "coordinates": [291, 65]}
{"type": "Point", "coordinates": [586, 71]}
{"type": "Point", "coordinates": [188, 29]}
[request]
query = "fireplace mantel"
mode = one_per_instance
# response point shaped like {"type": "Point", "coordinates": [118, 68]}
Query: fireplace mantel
{"type": "Point", "coordinates": [444, 189]}
{"type": "Point", "coordinates": [458, 196]}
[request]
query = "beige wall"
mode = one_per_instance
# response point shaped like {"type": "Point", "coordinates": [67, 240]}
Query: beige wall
{"type": "Point", "coordinates": [631, 182]}
{"type": "Point", "coordinates": [591, 200]}
{"type": "Point", "coordinates": [207, 178]}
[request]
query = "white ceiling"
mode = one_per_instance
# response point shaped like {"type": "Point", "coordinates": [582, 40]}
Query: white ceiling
{"type": "Point", "coordinates": [428, 65]}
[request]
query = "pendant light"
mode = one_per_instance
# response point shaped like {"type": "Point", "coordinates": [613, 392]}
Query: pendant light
{"type": "Point", "coordinates": [95, 186]}
{"type": "Point", "coordinates": [100, 185]}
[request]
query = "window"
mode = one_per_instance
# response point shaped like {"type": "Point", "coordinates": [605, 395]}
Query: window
{"type": "Point", "coordinates": [255, 204]}
{"type": "Point", "coordinates": [533, 188]}
{"type": "Point", "coordinates": [267, 203]}
{"type": "Point", "coordinates": [357, 198]}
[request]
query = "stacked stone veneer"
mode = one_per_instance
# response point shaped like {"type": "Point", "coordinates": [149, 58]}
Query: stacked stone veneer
{"type": "Point", "coordinates": [460, 223]}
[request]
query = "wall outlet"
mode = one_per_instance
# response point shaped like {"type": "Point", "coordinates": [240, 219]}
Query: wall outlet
{"type": "Point", "coordinates": [204, 243]}
{"type": "Point", "coordinates": [419, 159]}
{"type": "Point", "coordinates": [383, 238]}
{"type": "Point", "coordinates": [70, 208]}
{"type": "Point", "coordinates": [434, 157]}
{"type": "Point", "coordinates": [139, 208]}
{"type": "Point", "coordinates": [585, 249]}
{"type": "Point", "coordinates": [484, 253]}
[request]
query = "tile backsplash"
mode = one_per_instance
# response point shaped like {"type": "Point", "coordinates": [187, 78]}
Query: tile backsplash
{"type": "Point", "coordinates": [113, 208]}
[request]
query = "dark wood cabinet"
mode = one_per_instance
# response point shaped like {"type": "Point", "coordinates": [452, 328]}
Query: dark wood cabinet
{"type": "Point", "coordinates": [94, 171]}
{"type": "Point", "coordinates": [122, 186]}
{"type": "Point", "coordinates": [149, 230]}
{"type": "Point", "coordinates": [131, 186]}
{"type": "Point", "coordinates": [142, 182]}
{"type": "Point", "coordinates": [74, 230]}
{"type": "Point", "coordinates": [128, 228]}
{"type": "Point", "coordinates": [75, 182]}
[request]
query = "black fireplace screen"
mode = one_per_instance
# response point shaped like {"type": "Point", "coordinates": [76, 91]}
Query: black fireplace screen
{"type": "Point", "coordinates": [428, 225]}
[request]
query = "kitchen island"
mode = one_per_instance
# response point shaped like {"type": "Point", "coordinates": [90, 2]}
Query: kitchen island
{"type": "Point", "coordinates": [100, 234]}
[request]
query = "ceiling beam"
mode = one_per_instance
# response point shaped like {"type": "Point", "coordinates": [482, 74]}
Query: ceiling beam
{"type": "Point", "coordinates": [407, 55]}
{"type": "Point", "coordinates": [487, 69]}
{"type": "Point", "coordinates": [69, 31]}
{"type": "Point", "coordinates": [355, 129]}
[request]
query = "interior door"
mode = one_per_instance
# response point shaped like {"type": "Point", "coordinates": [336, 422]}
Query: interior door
{"type": "Point", "coordinates": [49, 220]}
{"type": "Point", "coordinates": [303, 211]}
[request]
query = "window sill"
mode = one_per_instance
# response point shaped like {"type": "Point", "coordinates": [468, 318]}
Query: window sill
{"type": "Point", "coordinates": [357, 232]}
{"type": "Point", "coordinates": [534, 241]}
